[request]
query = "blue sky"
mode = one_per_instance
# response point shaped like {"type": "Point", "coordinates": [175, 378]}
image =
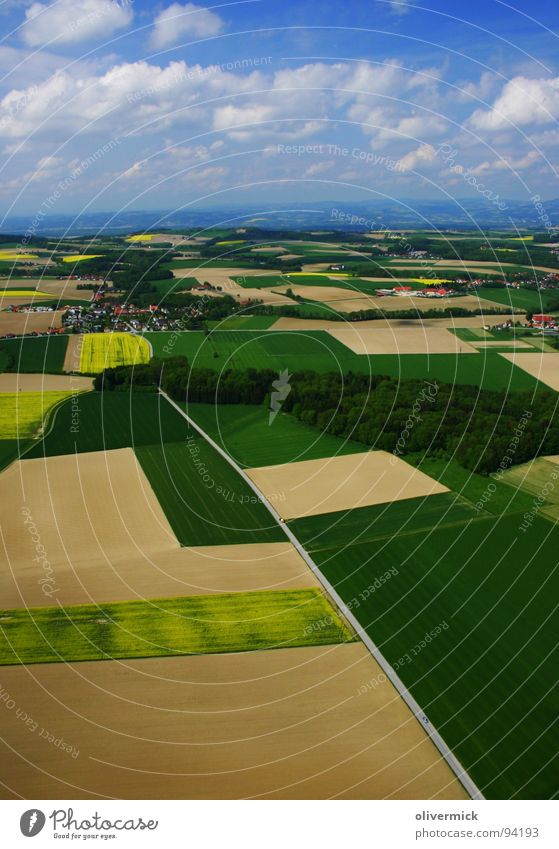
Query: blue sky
{"type": "Point", "coordinates": [107, 105]}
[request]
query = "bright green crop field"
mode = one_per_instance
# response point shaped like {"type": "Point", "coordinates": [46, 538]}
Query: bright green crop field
{"type": "Point", "coordinates": [318, 351]}
{"type": "Point", "coordinates": [203, 497]}
{"type": "Point", "coordinates": [246, 433]}
{"type": "Point", "coordinates": [201, 624]}
{"type": "Point", "coordinates": [467, 616]}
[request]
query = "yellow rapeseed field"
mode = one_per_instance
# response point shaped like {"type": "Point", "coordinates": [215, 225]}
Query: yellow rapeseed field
{"type": "Point", "coordinates": [23, 293]}
{"type": "Point", "coordinates": [108, 350]}
{"type": "Point", "coordinates": [145, 238]}
{"type": "Point", "coordinates": [80, 257]}
{"type": "Point", "coordinates": [23, 413]}
{"type": "Point", "coordinates": [15, 255]}
{"type": "Point", "coordinates": [429, 281]}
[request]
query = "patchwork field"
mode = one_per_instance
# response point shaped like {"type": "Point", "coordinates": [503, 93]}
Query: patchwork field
{"type": "Point", "coordinates": [199, 624]}
{"type": "Point", "coordinates": [108, 420]}
{"type": "Point", "coordinates": [340, 483]}
{"type": "Point", "coordinates": [298, 723]}
{"type": "Point", "coordinates": [381, 521]}
{"type": "Point", "coordinates": [407, 340]}
{"type": "Point", "coordinates": [98, 506]}
{"type": "Point", "coordinates": [23, 414]}
{"type": "Point", "coordinates": [157, 574]}
{"type": "Point", "coordinates": [13, 382]}
{"type": "Point", "coordinates": [107, 350]}
{"type": "Point", "coordinates": [249, 437]}
{"type": "Point", "coordinates": [29, 322]}
{"type": "Point", "coordinates": [204, 499]}
{"type": "Point", "coordinates": [466, 615]}
{"type": "Point", "coordinates": [544, 367]}
{"type": "Point", "coordinates": [540, 479]}
{"type": "Point", "coordinates": [35, 354]}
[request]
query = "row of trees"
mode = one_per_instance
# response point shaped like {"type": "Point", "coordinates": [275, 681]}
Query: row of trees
{"type": "Point", "coordinates": [482, 430]}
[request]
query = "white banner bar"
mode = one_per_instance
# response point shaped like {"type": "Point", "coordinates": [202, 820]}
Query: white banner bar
{"type": "Point", "coordinates": [281, 824]}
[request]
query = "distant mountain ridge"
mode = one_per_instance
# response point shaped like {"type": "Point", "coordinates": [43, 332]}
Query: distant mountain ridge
{"type": "Point", "coordinates": [332, 215]}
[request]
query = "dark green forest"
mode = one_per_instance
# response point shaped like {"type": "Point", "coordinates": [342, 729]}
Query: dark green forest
{"type": "Point", "coordinates": [482, 430]}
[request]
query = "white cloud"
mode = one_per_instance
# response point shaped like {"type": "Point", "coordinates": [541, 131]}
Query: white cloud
{"type": "Point", "coordinates": [399, 7]}
{"type": "Point", "coordinates": [421, 156]}
{"type": "Point", "coordinates": [68, 21]}
{"type": "Point", "coordinates": [522, 101]}
{"type": "Point", "coordinates": [177, 21]}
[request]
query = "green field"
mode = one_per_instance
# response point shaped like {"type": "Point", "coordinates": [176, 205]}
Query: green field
{"type": "Point", "coordinates": [317, 351]}
{"type": "Point", "coordinates": [202, 624]}
{"type": "Point", "coordinates": [368, 524]}
{"type": "Point", "coordinates": [243, 322]}
{"type": "Point", "coordinates": [203, 497]}
{"type": "Point", "coordinates": [242, 349]}
{"type": "Point", "coordinates": [485, 594]}
{"type": "Point", "coordinates": [500, 498]}
{"type": "Point", "coordinates": [34, 354]}
{"type": "Point", "coordinates": [245, 433]}
{"type": "Point", "coordinates": [526, 299]}
{"type": "Point", "coordinates": [10, 450]}
{"type": "Point", "coordinates": [109, 420]}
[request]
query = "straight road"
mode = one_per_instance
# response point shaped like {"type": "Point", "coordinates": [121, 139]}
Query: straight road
{"type": "Point", "coordinates": [415, 708]}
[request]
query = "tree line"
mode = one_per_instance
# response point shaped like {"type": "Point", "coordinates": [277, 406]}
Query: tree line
{"type": "Point", "coordinates": [480, 429]}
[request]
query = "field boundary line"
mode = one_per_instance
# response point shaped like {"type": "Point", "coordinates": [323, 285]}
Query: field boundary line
{"type": "Point", "coordinates": [469, 785]}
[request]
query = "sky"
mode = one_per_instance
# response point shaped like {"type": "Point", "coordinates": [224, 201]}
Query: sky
{"type": "Point", "coordinates": [113, 105]}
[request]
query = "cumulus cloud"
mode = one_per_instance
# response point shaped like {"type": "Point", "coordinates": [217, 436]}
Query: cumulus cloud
{"type": "Point", "coordinates": [421, 156]}
{"type": "Point", "coordinates": [399, 7]}
{"type": "Point", "coordinates": [178, 21]}
{"type": "Point", "coordinates": [522, 101]}
{"type": "Point", "coordinates": [66, 21]}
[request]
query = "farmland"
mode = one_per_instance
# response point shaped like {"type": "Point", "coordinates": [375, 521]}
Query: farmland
{"type": "Point", "coordinates": [236, 743]}
{"type": "Point", "coordinates": [311, 487]}
{"type": "Point", "coordinates": [252, 440]}
{"type": "Point", "coordinates": [203, 497]}
{"type": "Point", "coordinates": [318, 350]}
{"type": "Point", "coordinates": [109, 420]}
{"type": "Point", "coordinates": [166, 627]}
{"type": "Point", "coordinates": [107, 350]}
{"type": "Point", "coordinates": [22, 414]}
{"type": "Point", "coordinates": [34, 354]}
{"type": "Point", "coordinates": [380, 521]}
{"type": "Point", "coordinates": [481, 679]}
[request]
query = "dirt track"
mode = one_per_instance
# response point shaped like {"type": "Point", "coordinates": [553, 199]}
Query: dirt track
{"type": "Point", "coordinates": [293, 723]}
{"type": "Point", "coordinates": [312, 487]}
{"type": "Point", "coordinates": [44, 383]}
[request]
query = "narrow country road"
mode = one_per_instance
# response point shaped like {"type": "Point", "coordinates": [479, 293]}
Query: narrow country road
{"type": "Point", "coordinates": [387, 669]}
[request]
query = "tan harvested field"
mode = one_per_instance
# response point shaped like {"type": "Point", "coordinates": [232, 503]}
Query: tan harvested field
{"type": "Point", "coordinates": [27, 322]}
{"type": "Point", "coordinates": [84, 507]}
{"type": "Point", "coordinates": [289, 256]}
{"type": "Point", "coordinates": [271, 249]}
{"type": "Point", "coordinates": [312, 487]}
{"type": "Point", "coordinates": [56, 288]}
{"type": "Point", "coordinates": [202, 273]}
{"type": "Point", "coordinates": [73, 353]}
{"type": "Point", "coordinates": [409, 340]}
{"type": "Point", "coordinates": [106, 538]}
{"type": "Point", "coordinates": [310, 723]}
{"type": "Point", "coordinates": [231, 287]}
{"type": "Point", "coordinates": [396, 323]}
{"type": "Point", "coordinates": [167, 573]}
{"type": "Point", "coordinates": [504, 344]}
{"type": "Point", "coordinates": [44, 383]}
{"type": "Point", "coordinates": [542, 366]}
